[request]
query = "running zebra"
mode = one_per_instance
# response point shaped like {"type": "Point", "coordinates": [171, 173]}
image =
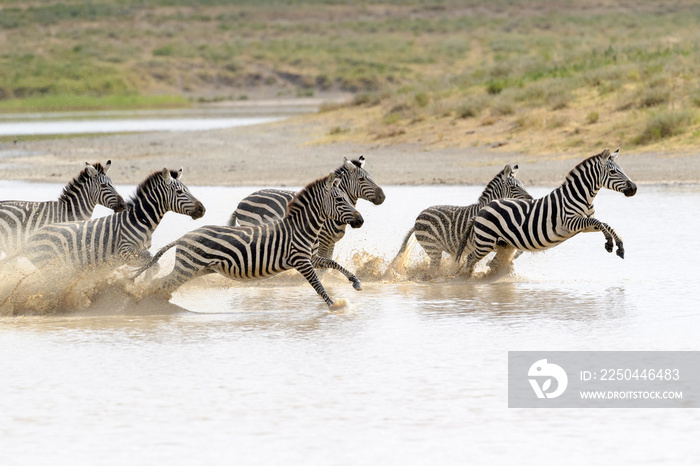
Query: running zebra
{"type": "Point", "coordinates": [258, 251]}
{"type": "Point", "coordinates": [441, 228]}
{"type": "Point", "coordinates": [119, 238]}
{"type": "Point", "coordinates": [534, 225]}
{"type": "Point", "coordinates": [271, 204]}
{"type": "Point", "coordinates": [92, 186]}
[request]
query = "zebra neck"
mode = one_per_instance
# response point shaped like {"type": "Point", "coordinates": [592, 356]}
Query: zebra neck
{"type": "Point", "coordinates": [582, 185]}
{"type": "Point", "coordinates": [306, 214]}
{"type": "Point", "coordinates": [76, 203]}
{"type": "Point", "coordinates": [146, 211]}
{"type": "Point", "coordinates": [344, 176]}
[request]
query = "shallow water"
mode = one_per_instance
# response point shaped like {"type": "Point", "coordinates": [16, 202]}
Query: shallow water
{"type": "Point", "coordinates": [410, 371]}
{"type": "Point", "coordinates": [192, 119]}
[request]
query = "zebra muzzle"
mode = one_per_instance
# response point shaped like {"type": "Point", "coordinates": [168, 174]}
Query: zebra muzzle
{"type": "Point", "coordinates": [198, 211]}
{"type": "Point", "coordinates": [120, 207]}
{"type": "Point", "coordinates": [357, 220]}
{"type": "Point", "coordinates": [379, 196]}
{"type": "Point", "coordinates": [630, 190]}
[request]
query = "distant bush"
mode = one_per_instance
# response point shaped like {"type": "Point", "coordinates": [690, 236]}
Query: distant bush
{"type": "Point", "coordinates": [592, 117]}
{"type": "Point", "coordinates": [165, 51]}
{"type": "Point", "coordinates": [665, 124]}
{"type": "Point", "coordinates": [653, 96]}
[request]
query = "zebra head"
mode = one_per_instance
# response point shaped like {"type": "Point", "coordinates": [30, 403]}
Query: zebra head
{"type": "Point", "coordinates": [177, 197]}
{"type": "Point", "coordinates": [504, 185]}
{"type": "Point", "coordinates": [613, 177]}
{"type": "Point", "coordinates": [514, 187]}
{"type": "Point", "coordinates": [101, 188]}
{"type": "Point", "coordinates": [337, 206]}
{"type": "Point", "coordinates": [358, 183]}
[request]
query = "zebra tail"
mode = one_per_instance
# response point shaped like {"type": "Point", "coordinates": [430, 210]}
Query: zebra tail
{"type": "Point", "coordinates": [402, 249]}
{"type": "Point", "coordinates": [155, 259]}
{"type": "Point", "coordinates": [465, 238]}
{"type": "Point", "coordinates": [232, 220]}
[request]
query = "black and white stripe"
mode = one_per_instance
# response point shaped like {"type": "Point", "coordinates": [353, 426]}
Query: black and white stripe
{"type": "Point", "coordinates": [271, 204]}
{"type": "Point", "coordinates": [246, 252]}
{"type": "Point", "coordinates": [118, 238]}
{"type": "Point", "coordinates": [442, 227]}
{"type": "Point", "coordinates": [19, 219]}
{"type": "Point", "coordinates": [534, 225]}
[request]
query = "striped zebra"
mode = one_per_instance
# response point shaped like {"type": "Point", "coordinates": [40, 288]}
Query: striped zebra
{"type": "Point", "coordinates": [271, 204]}
{"type": "Point", "coordinates": [119, 238]}
{"type": "Point", "coordinates": [534, 225]}
{"type": "Point", "coordinates": [92, 186]}
{"type": "Point", "coordinates": [258, 251]}
{"type": "Point", "coordinates": [441, 228]}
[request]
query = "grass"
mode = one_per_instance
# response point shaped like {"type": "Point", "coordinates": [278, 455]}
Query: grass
{"type": "Point", "coordinates": [474, 73]}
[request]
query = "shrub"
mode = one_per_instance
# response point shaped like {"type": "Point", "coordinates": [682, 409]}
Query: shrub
{"type": "Point", "coordinates": [592, 117]}
{"type": "Point", "coordinates": [653, 96]}
{"type": "Point", "coordinates": [665, 124]}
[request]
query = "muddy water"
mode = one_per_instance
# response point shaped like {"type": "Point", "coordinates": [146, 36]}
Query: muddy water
{"type": "Point", "coordinates": [410, 371]}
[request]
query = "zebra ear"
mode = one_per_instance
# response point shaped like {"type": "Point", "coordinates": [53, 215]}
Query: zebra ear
{"type": "Point", "coordinates": [614, 155]}
{"type": "Point", "coordinates": [349, 165]}
{"type": "Point", "coordinates": [508, 171]}
{"type": "Point", "coordinates": [165, 173]}
{"type": "Point", "coordinates": [107, 166]}
{"type": "Point", "coordinates": [179, 174]}
{"type": "Point", "coordinates": [92, 171]}
{"type": "Point", "coordinates": [331, 179]}
{"type": "Point", "coordinates": [605, 155]}
{"type": "Point", "coordinates": [362, 161]}
{"type": "Point", "coordinates": [514, 170]}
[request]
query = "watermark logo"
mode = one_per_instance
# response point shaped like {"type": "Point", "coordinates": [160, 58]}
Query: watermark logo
{"type": "Point", "coordinates": [544, 371]}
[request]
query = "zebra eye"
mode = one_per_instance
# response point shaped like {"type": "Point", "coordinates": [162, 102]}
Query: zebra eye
{"type": "Point", "coordinates": [362, 178]}
{"type": "Point", "coordinates": [179, 191]}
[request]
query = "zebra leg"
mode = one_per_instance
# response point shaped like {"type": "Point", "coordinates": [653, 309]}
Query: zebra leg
{"type": "Point", "coordinates": [432, 249]}
{"type": "Point", "coordinates": [474, 257]}
{"type": "Point", "coordinates": [307, 270]}
{"type": "Point", "coordinates": [504, 256]}
{"type": "Point", "coordinates": [590, 224]}
{"type": "Point", "coordinates": [326, 263]}
{"type": "Point", "coordinates": [618, 241]}
{"type": "Point", "coordinates": [185, 269]}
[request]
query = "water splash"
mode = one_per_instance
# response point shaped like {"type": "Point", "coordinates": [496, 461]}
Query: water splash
{"type": "Point", "coordinates": [26, 290]}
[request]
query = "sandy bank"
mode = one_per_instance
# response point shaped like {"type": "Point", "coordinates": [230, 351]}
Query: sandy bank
{"type": "Point", "coordinates": [284, 153]}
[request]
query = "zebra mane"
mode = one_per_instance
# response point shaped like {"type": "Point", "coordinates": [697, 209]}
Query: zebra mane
{"type": "Point", "coordinates": [359, 163]}
{"type": "Point", "coordinates": [582, 164]}
{"type": "Point", "coordinates": [146, 184]}
{"type": "Point", "coordinates": [81, 179]}
{"type": "Point", "coordinates": [296, 200]}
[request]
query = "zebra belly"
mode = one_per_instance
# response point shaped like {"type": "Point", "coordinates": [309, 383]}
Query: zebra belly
{"type": "Point", "coordinates": [528, 226]}
{"type": "Point", "coordinates": [440, 228]}
{"type": "Point", "coordinates": [239, 253]}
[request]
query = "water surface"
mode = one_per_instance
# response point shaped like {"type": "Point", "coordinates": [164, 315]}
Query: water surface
{"type": "Point", "coordinates": [410, 372]}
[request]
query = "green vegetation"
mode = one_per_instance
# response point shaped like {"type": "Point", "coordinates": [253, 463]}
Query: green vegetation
{"type": "Point", "coordinates": [458, 72]}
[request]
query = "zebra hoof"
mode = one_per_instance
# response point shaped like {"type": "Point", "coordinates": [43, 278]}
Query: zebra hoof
{"type": "Point", "coordinates": [357, 285]}
{"type": "Point", "coordinates": [609, 246]}
{"type": "Point", "coordinates": [621, 253]}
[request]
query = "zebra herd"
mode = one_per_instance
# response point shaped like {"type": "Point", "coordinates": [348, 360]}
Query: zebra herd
{"type": "Point", "coordinates": [274, 230]}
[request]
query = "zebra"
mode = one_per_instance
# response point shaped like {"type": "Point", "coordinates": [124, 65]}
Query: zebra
{"type": "Point", "coordinates": [258, 251]}
{"type": "Point", "coordinates": [440, 228]}
{"type": "Point", "coordinates": [534, 225]}
{"type": "Point", "coordinates": [92, 186]}
{"type": "Point", "coordinates": [271, 204]}
{"type": "Point", "coordinates": [119, 238]}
